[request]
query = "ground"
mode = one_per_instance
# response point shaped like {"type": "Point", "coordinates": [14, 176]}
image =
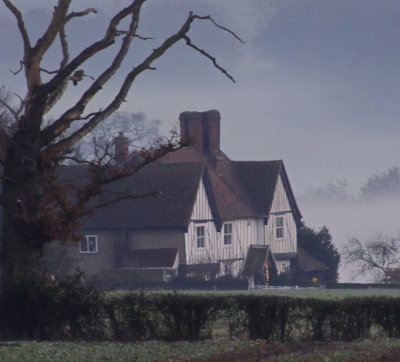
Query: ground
{"type": "Point", "coordinates": [366, 351]}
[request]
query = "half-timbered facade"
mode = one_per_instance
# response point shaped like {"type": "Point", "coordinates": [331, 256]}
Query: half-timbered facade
{"type": "Point", "coordinates": [207, 207]}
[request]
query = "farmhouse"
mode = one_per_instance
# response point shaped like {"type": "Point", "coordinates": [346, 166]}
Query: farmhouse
{"type": "Point", "coordinates": [201, 214]}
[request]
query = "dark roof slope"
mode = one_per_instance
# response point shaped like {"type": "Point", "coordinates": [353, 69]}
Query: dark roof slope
{"type": "Point", "coordinates": [150, 258]}
{"type": "Point", "coordinates": [259, 179]}
{"type": "Point", "coordinates": [307, 263]}
{"type": "Point", "coordinates": [240, 188]}
{"type": "Point", "coordinates": [176, 187]}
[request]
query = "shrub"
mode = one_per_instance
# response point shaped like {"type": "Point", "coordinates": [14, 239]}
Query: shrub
{"type": "Point", "coordinates": [44, 309]}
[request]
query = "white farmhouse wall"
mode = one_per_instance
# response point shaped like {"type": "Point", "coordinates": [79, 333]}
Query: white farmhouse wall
{"type": "Point", "coordinates": [201, 216]}
{"type": "Point", "coordinates": [244, 233]}
{"type": "Point", "coordinates": [281, 208]}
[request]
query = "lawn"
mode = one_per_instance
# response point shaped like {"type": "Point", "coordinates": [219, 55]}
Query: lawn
{"type": "Point", "coordinates": [319, 293]}
{"type": "Point", "coordinates": [369, 350]}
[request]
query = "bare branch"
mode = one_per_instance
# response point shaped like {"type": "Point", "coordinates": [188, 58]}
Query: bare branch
{"type": "Point", "coordinates": [65, 121]}
{"type": "Point", "coordinates": [64, 48]}
{"type": "Point", "coordinates": [13, 112]}
{"type": "Point", "coordinates": [144, 37]}
{"type": "Point", "coordinates": [75, 112]}
{"type": "Point", "coordinates": [56, 23]}
{"type": "Point", "coordinates": [57, 94]}
{"type": "Point", "coordinates": [49, 71]}
{"type": "Point", "coordinates": [207, 55]}
{"type": "Point", "coordinates": [375, 255]}
{"type": "Point", "coordinates": [79, 14]}
{"type": "Point", "coordinates": [223, 28]}
{"type": "Point", "coordinates": [21, 66]}
{"type": "Point", "coordinates": [21, 24]}
{"type": "Point", "coordinates": [96, 47]}
{"type": "Point", "coordinates": [124, 196]}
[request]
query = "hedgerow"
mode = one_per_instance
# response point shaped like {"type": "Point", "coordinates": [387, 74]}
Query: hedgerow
{"type": "Point", "coordinates": [67, 310]}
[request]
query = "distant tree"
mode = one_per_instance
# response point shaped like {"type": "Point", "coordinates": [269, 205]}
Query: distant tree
{"type": "Point", "coordinates": [331, 191]}
{"type": "Point", "coordinates": [374, 257]}
{"type": "Point", "coordinates": [320, 246]}
{"type": "Point", "coordinates": [141, 132]}
{"type": "Point", "coordinates": [382, 184]}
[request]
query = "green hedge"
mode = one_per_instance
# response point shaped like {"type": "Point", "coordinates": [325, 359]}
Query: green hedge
{"type": "Point", "coordinates": [67, 310]}
{"type": "Point", "coordinates": [179, 316]}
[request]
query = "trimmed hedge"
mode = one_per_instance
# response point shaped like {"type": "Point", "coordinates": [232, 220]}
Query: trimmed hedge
{"type": "Point", "coordinates": [67, 310]}
{"type": "Point", "coordinates": [188, 317]}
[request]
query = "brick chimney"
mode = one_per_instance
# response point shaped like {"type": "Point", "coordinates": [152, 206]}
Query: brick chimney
{"type": "Point", "coordinates": [121, 148]}
{"type": "Point", "coordinates": [201, 130]}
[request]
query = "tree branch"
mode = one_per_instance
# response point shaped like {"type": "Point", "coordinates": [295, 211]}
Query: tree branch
{"type": "Point", "coordinates": [75, 112]}
{"type": "Point", "coordinates": [105, 42]}
{"type": "Point", "coordinates": [21, 24]}
{"type": "Point", "coordinates": [21, 66]}
{"type": "Point", "coordinates": [124, 197]}
{"type": "Point", "coordinates": [64, 122]}
{"type": "Point", "coordinates": [79, 14]}
{"type": "Point", "coordinates": [57, 94]}
{"type": "Point", "coordinates": [56, 23]}
{"type": "Point", "coordinates": [13, 112]}
{"type": "Point", "coordinates": [207, 55]}
{"type": "Point", "coordinates": [222, 27]}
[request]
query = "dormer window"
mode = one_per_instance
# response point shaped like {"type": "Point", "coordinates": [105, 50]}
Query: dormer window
{"type": "Point", "coordinates": [228, 237]}
{"type": "Point", "coordinates": [279, 227]}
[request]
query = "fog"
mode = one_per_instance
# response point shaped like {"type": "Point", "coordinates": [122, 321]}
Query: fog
{"type": "Point", "coordinates": [361, 219]}
{"type": "Point", "coordinates": [317, 85]}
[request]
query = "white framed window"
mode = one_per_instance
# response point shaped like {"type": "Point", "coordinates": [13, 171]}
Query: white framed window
{"type": "Point", "coordinates": [201, 236]}
{"type": "Point", "coordinates": [279, 227]}
{"type": "Point", "coordinates": [88, 244]}
{"type": "Point", "coordinates": [228, 235]}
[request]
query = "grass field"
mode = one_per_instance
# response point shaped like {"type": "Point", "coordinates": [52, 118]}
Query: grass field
{"type": "Point", "coordinates": [370, 350]}
{"type": "Point", "coordinates": [295, 293]}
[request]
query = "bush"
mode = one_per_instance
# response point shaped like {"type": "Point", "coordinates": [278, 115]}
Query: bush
{"type": "Point", "coordinates": [65, 309]}
{"type": "Point", "coordinates": [168, 317]}
{"type": "Point", "coordinates": [45, 309]}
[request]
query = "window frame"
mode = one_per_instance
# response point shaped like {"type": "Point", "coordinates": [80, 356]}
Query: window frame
{"type": "Point", "coordinates": [87, 243]}
{"type": "Point", "coordinates": [279, 229]}
{"type": "Point", "coordinates": [228, 234]}
{"type": "Point", "coordinates": [201, 237]}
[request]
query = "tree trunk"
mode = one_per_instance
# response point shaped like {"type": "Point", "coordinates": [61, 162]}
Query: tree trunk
{"type": "Point", "coordinates": [23, 239]}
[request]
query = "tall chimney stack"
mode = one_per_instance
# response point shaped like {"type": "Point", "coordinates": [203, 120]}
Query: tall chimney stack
{"type": "Point", "coordinates": [121, 148]}
{"type": "Point", "coordinates": [201, 130]}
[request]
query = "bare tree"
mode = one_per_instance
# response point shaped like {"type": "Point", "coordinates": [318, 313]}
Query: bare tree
{"type": "Point", "coordinates": [374, 257]}
{"type": "Point", "coordinates": [140, 131]}
{"type": "Point", "coordinates": [36, 208]}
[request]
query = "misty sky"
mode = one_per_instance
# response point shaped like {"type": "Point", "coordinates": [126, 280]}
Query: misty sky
{"type": "Point", "coordinates": [317, 81]}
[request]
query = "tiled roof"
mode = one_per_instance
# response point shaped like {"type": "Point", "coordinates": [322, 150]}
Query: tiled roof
{"type": "Point", "coordinates": [150, 258]}
{"type": "Point", "coordinates": [241, 189]}
{"type": "Point", "coordinates": [235, 189]}
{"type": "Point", "coordinates": [307, 263]}
{"type": "Point", "coordinates": [175, 186]}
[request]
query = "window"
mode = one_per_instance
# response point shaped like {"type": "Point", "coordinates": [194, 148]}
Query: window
{"type": "Point", "coordinates": [201, 236]}
{"type": "Point", "coordinates": [279, 228]}
{"type": "Point", "coordinates": [88, 244]}
{"type": "Point", "coordinates": [228, 234]}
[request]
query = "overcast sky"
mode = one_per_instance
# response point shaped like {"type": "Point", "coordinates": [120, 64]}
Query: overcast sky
{"type": "Point", "coordinates": [318, 81]}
